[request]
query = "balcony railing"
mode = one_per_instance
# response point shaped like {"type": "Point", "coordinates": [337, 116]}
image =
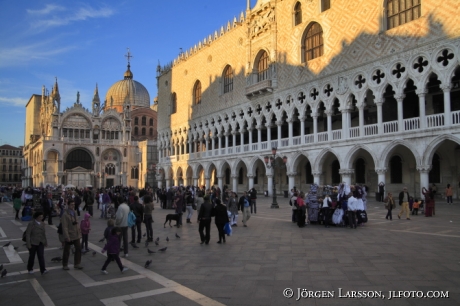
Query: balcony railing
{"type": "Point", "coordinates": [390, 127]}
{"type": "Point", "coordinates": [411, 124]}
{"type": "Point", "coordinates": [434, 120]}
{"type": "Point", "coordinates": [354, 132]}
{"type": "Point", "coordinates": [372, 129]}
{"type": "Point", "coordinates": [322, 137]}
{"type": "Point", "coordinates": [337, 134]}
{"type": "Point", "coordinates": [456, 117]}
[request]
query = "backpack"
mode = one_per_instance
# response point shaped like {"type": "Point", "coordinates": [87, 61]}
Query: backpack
{"type": "Point", "coordinates": [131, 219]}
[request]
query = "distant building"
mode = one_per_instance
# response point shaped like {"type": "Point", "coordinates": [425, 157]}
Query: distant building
{"type": "Point", "coordinates": [11, 159]}
{"type": "Point", "coordinates": [348, 91]}
{"type": "Point", "coordinates": [80, 146]}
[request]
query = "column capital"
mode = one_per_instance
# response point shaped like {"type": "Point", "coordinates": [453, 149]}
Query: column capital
{"type": "Point", "coordinates": [250, 176]}
{"type": "Point", "coordinates": [379, 101]}
{"type": "Point", "coordinates": [234, 176]}
{"type": "Point", "coordinates": [421, 92]}
{"type": "Point", "coordinates": [316, 173]}
{"type": "Point", "coordinates": [291, 174]}
{"type": "Point", "coordinates": [399, 98]}
{"type": "Point", "coordinates": [279, 123]}
{"type": "Point", "coordinates": [381, 170]}
{"type": "Point", "coordinates": [446, 88]}
{"type": "Point", "coordinates": [424, 168]}
{"type": "Point", "coordinates": [289, 120]}
{"type": "Point", "coordinates": [302, 118]}
{"type": "Point", "coordinates": [346, 171]}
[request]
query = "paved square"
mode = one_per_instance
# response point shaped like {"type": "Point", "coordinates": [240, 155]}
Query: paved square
{"type": "Point", "coordinates": [254, 267]}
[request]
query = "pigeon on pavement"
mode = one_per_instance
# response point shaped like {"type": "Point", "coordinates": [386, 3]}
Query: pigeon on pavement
{"type": "Point", "coordinates": [163, 249]}
{"type": "Point", "coordinates": [150, 252]}
{"type": "Point", "coordinates": [94, 253]}
{"type": "Point", "coordinates": [145, 234]}
{"type": "Point", "coordinates": [4, 273]}
{"type": "Point", "coordinates": [158, 239]}
{"type": "Point", "coordinates": [156, 243]}
{"type": "Point", "coordinates": [56, 259]}
{"type": "Point", "coordinates": [147, 263]}
{"type": "Point", "coordinates": [177, 236]}
{"type": "Point", "coordinates": [102, 239]}
{"type": "Point", "coordinates": [6, 245]}
{"type": "Point", "coordinates": [146, 243]}
{"type": "Point", "coordinates": [167, 239]}
{"type": "Point", "coordinates": [1, 267]}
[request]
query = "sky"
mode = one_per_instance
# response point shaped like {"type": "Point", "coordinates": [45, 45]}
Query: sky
{"type": "Point", "coordinates": [84, 43]}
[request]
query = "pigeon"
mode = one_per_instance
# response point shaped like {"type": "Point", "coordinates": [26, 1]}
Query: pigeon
{"type": "Point", "coordinates": [158, 239]}
{"type": "Point", "coordinates": [94, 253]}
{"type": "Point", "coordinates": [147, 263]}
{"type": "Point", "coordinates": [150, 252]}
{"type": "Point", "coordinates": [15, 248]}
{"type": "Point", "coordinates": [1, 267]}
{"type": "Point", "coordinates": [102, 239]}
{"type": "Point", "coordinates": [167, 239]}
{"type": "Point", "coordinates": [145, 234]}
{"type": "Point", "coordinates": [163, 249]}
{"type": "Point", "coordinates": [4, 273]}
{"type": "Point", "coordinates": [146, 243]}
{"type": "Point", "coordinates": [177, 236]}
{"type": "Point", "coordinates": [56, 259]}
{"type": "Point", "coordinates": [156, 243]}
{"type": "Point", "coordinates": [6, 245]}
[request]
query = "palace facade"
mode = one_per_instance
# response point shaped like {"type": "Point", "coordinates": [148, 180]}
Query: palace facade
{"type": "Point", "coordinates": [347, 91]}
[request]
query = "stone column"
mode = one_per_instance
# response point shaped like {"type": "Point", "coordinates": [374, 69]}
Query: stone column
{"type": "Point", "coordinates": [251, 181]}
{"type": "Point", "coordinates": [226, 142]}
{"type": "Point", "coordinates": [159, 178]}
{"type": "Point", "coordinates": [291, 176]}
{"type": "Point", "coordinates": [316, 177]}
{"type": "Point", "coordinates": [421, 102]}
{"type": "Point", "coordinates": [195, 181]}
{"type": "Point", "coordinates": [219, 139]}
{"type": "Point", "coordinates": [250, 129]}
{"type": "Point", "coordinates": [290, 124]}
{"type": "Point", "coordinates": [235, 183]}
{"type": "Point", "coordinates": [259, 137]}
{"type": "Point", "coordinates": [379, 103]}
{"type": "Point", "coordinates": [400, 112]}
{"type": "Point", "coordinates": [207, 181]}
{"type": "Point", "coordinates": [447, 109]}
{"type": "Point", "coordinates": [213, 144]}
{"type": "Point", "coordinates": [361, 120]}
{"type": "Point", "coordinates": [220, 183]}
{"type": "Point", "coordinates": [302, 129]}
{"type": "Point", "coordinates": [242, 131]}
{"type": "Point", "coordinates": [329, 125]}
{"type": "Point", "coordinates": [278, 124]}
{"type": "Point", "coordinates": [270, 184]}
{"type": "Point", "coordinates": [234, 141]}
{"type": "Point", "coordinates": [346, 175]}
{"type": "Point", "coordinates": [269, 134]}
{"type": "Point", "coordinates": [315, 126]}
{"type": "Point", "coordinates": [424, 178]}
{"type": "Point", "coordinates": [381, 177]}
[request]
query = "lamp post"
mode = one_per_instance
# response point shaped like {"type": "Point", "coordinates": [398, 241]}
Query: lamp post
{"type": "Point", "coordinates": [270, 162]}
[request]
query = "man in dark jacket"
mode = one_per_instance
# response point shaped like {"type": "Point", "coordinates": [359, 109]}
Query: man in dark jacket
{"type": "Point", "coordinates": [204, 218]}
{"type": "Point", "coordinates": [253, 196]}
{"type": "Point", "coordinates": [138, 211]}
{"type": "Point", "coordinates": [47, 204]}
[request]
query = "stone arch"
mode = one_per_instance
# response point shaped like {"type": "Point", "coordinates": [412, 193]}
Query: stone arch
{"type": "Point", "coordinates": [431, 148]}
{"type": "Point", "coordinates": [66, 166]}
{"type": "Point", "coordinates": [318, 162]}
{"type": "Point", "coordinates": [385, 155]}
{"type": "Point", "coordinates": [352, 154]}
{"type": "Point", "coordinates": [69, 114]}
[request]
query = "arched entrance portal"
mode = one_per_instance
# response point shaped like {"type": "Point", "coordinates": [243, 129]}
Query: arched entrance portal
{"type": "Point", "coordinates": [78, 166]}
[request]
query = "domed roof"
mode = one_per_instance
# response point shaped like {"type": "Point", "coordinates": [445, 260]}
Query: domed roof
{"type": "Point", "coordinates": [136, 94]}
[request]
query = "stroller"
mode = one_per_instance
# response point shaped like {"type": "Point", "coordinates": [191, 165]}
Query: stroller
{"type": "Point", "coordinates": [110, 211]}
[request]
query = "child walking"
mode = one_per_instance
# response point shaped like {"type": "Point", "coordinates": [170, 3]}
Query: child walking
{"type": "Point", "coordinates": [108, 229]}
{"type": "Point", "coordinates": [113, 249]}
{"type": "Point", "coordinates": [85, 227]}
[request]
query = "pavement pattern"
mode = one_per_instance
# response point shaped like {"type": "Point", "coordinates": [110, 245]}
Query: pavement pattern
{"type": "Point", "coordinates": [257, 266]}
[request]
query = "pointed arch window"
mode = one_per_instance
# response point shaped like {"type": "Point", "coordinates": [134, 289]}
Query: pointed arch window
{"type": "Point", "coordinates": [197, 93]}
{"type": "Point", "coordinates": [228, 79]}
{"type": "Point", "coordinates": [173, 103]}
{"type": "Point", "coordinates": [144, 120]}
{"type": "Point", "coordinates": [134, 173]}
{"type": "Point", "coordinates": [396, 170]}
{"type": "Point", "coordinates": [262, 67]}
{"type": "Point", "coordinates": [110, 169]}
{"type": "Point", "coordinates": [402, 11]}
{"type": "Point", "coordinates": [297, 14]}
{"type": "Point", "coordinates": [313, 43]}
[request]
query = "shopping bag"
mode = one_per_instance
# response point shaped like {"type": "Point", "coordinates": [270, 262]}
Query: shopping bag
{"type": "Point", "coordinates": [228, 229]}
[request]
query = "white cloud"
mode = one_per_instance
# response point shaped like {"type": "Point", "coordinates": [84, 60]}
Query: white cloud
{"type": "Point", "coordinates": [13, 101]}
{"type": "Point", "coordinates": [16, 56]}
{"type": "Point", "coordinates": [49, 8]}
{"type": "Point", "coordinates": [80, 14]}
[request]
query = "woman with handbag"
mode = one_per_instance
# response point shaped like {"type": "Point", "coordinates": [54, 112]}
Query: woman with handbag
{"type": "Point", "coordinates": [389, 205]}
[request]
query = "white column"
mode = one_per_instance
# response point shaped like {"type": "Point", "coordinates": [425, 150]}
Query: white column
{"type": "Point", "coordinates": [220, 183]}
{"type": "Point", "coordinates": [424, 178]}
{"type": "Point", "coordinates": [302, 129]}
{"type": "Point", "coordinates": [195, 181]}
{"type": "Point", "coordinates": [316, 177]}
{"type": "Point", "coordinates": [251, 181]}
{"type": "Point", "coordinates": [242, 140]}
{"type": "Point", "coordinates": [291, 177]}
{"type": "Point", "coordinates": [290, 124]}
{"type": "Point", "coordinates": [250, 137]}
{"type": "Point", "coordinates": [279, 123]}
{"type": "Point", "coordinates": [269, 134]}
{"type": "Point", "coordinates": [213, 145]}
{"type": "Point", "coordinates": [361, 120]}
{"type": "Point", "coordinates": [226, 142]}
{"type": "Point", "coordinates": [235, 183]}
{"type": "Point", "coordinates": [234, 140]}
{"type": "Point", "coordinates": [447, 109]}
{"type": "Point", "coordinates": [346, 175]}
{"type": "Point", "coordinates": [400, 113]}
{"type": "Point", "coordinates": [270, 184]}
{"type": "Point", "coordinates": [422, 114]}
{"type": "Point", "coordinates": [381, 176]}
{"type": "Point", "coordinates": [259, 137]}
{"type": "Point", "coordinates": [329, 125]}
{"type": "Point", "coordinates": [379, 103]}
{"type": "Point", "coordinates": [207, 182]}
{"type": "Point", "coordinates": [315, 126]}
{"type": "Point", "coordinates": [219, 138]}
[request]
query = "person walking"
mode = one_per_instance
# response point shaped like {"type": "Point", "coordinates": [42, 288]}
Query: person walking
{"type": "Point", "coordinates": [36, 243]}
{"type": "Point", "coordinates": [244, 206]}
{"type": "Point", "coordinates": [204, 219]}
{"type": "Point", "coordinates": [113, 249]}
{"type": "Point", "coordinates": [429, 202]}
{"type": "Point", "coordinates": [179, 205]}
{"type": "Point", "coordinates": [47, 205]}
{"type": "Point", "coordinates": [17, 203]}
{"type": "Point", "coordinates": [138, 211]}
{"type": "Point", "coordinates": [72, 235]}
{"type": "Point", "coordinates": [189, 205]}
{"type": "Point", "coordinates": [148, 219]}
{"type": "Point", "coordinates": [89, 203]}
{"type": "Point", "coordinates": [301, 210]}
{"type": "Point", "coordinates": [105, 202]}
{"type": "Point", "coordinates": [404, 203]}
{"type": "Point", "coordinates": [233, 208]}
{"type": "Point", "coordinates": [253, 196]}
{"type": "Point", "coordinates": [448, 192]}
{"type": "Point", "coordinates": [85, 227]}
{"type": "Point", "coordinates": [121, 221]}
{"type": "Point", "coordinates": [389, 205]}
{"type": "Point", "coordinates": [221, 218]}
{"type": "Point", "coordinates": [353, 206]}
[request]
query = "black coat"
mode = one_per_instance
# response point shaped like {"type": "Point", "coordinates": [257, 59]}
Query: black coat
{"type": "Point", "coordinates": [205, 211]}
{"type": "Point", "coordinates": [220, 213]}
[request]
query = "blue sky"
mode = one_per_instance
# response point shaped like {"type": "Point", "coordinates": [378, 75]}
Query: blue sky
{"type": "Point", "coordinates": [84, 42]}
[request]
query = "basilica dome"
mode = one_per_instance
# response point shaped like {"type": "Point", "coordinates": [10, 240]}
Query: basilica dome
{"type": "Point", "coordinates": [127, 90]}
